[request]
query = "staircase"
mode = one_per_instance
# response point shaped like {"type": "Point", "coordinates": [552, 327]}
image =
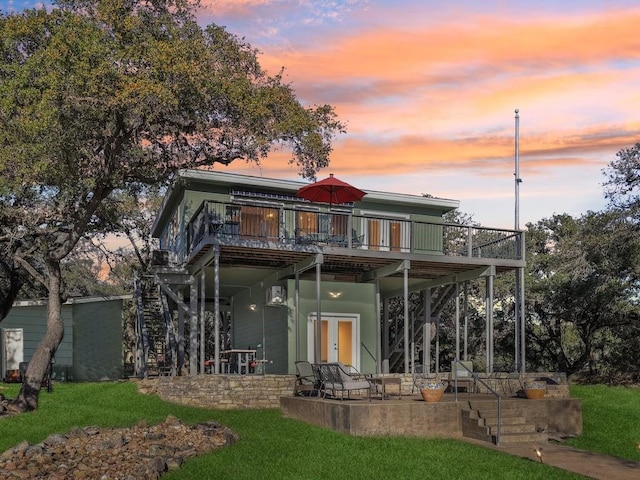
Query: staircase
{"type": "Point", "coordinates": [480, 421]}
{"type": "Point", "coordinates": [155, 337]}
{"type": "Point", "coordinates": [416, 322]}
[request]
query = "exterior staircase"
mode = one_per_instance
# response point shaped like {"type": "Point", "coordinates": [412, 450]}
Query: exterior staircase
{"type": "Point", "coordinates": [480, 422]}
{"type": "Point", "coordinates": [417, 320]}
{"type": "Point", "coordinates": [154, 330]}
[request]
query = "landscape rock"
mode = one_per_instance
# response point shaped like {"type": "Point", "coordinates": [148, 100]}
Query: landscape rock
{"type": "Point", "coordinates": [139, 452]}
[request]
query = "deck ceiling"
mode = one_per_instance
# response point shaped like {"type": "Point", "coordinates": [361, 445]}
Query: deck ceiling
{"type": "Point", "coordinates": [239, 265]}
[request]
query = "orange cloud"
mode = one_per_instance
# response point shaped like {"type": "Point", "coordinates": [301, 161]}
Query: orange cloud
{"type": "Point", "coordinates": [232, 7]}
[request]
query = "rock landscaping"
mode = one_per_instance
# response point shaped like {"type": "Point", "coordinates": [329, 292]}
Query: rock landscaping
{"type": "Point", "coordinates": [139, 452]}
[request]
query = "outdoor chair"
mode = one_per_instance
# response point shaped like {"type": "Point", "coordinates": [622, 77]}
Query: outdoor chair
{"type": "Point", "coordinates": [307, 379]}
{"type": "Point", "coordinates": [463, 370]}
{"type": "Point", "coordinates": [336, 377]}
{"type": "Point", "coordinates": [420, 377]}
{"type": "Point", "coordinates": [505, 380]}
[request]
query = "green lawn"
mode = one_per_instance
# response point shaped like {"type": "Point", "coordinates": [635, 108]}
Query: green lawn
{"type": "Point", "coordinates": [611, 420]}
{"type": "Point", "coordinates": [274, 447]}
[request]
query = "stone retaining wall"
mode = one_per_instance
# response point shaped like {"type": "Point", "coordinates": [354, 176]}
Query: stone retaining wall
{"type": "Point", "coordinates": [221, 391]}
{"type": "Point", "coordinates": [264, 391]}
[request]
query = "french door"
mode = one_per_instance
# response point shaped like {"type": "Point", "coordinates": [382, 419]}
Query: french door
{"type": "Point", "coordinates": [389, 234]}
{"type": "Point", "coordinates": [339, 340]}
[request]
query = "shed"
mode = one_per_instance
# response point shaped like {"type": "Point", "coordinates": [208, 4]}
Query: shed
{"type": "Point", "coordinates": [92, 347]}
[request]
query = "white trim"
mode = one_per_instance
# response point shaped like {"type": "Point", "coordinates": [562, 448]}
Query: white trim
{"type": "Point", "coordinates": [43, 301]}
{"type": "Point", "coordinates": [354, 317]}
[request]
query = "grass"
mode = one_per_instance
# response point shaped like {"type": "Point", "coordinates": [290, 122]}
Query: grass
{"type": "Point", "coordinates": [270, 446]}
{"type": "Point", "coordinates": [611, 420]}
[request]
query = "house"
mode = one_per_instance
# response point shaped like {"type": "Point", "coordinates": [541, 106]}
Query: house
{"type": "Point", "coordinates": [246, 265]}
{"type": "Point", "coordinates": [92, 346]}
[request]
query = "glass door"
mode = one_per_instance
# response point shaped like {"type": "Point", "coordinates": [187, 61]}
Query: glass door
{"type": "Point", "coordinates": [339, 341]}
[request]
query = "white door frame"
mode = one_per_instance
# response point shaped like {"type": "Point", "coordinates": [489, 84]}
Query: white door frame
{"type": "Point", "coordinates": [385, 219]}
{"type": "Point", "coordinates": [332, 318]}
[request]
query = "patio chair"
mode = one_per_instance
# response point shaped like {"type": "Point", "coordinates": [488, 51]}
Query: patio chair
{"type": "Point", "coordinates": [465, 377]}
{"type": "Point", "coordinates": [336, 377]}
{"type": "Point", "coordinates": [307, 379]}
{"type": "Point", "coordinates": [505, 380]}
{"type": "Point", "coordinates": [420, 377]}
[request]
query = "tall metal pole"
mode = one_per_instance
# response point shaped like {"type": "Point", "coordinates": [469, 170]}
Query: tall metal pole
{"type": "Point", "coordinates": [518, 180]}
{"type": "Point", "coordinates": [518, 287]}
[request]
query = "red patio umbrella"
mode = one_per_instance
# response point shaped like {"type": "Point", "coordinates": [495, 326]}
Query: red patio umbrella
{"type": "Point", "coordinates": [330, 190]}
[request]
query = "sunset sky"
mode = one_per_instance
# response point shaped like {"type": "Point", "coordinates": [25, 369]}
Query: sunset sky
{"type": "Point", "coordinates": [428, 91]}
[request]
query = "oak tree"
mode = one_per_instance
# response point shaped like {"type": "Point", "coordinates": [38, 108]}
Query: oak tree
{"type": "Point", "coordinates": [98, 97]}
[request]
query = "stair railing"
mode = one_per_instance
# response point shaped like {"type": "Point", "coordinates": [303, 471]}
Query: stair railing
{"type": "Point", "coordinates": [375, 360]}
{"type": "Point", "coordinates": [142, 342]}
{"type": "Point", "coordinates": [457, 363]}
{"type": "Point", "coordinates": [172, 341]}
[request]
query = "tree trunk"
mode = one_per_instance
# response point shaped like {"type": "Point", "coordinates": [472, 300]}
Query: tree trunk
{"type": "Point", "coordinates": [41, 359]}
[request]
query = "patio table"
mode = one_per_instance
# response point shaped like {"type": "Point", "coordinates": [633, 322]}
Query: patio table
{"type": "Point", "coordinates": [239, 360]}
{"type": "Point", "coordinates": [382, 381]}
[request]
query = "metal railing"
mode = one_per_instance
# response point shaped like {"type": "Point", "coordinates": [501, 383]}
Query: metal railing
{"type": "Point", "coordinates": [339, 228]}
{"type": "Point", "coordinates": [375, 360]}
{"type": "Point", "coordinates": [475, 376]}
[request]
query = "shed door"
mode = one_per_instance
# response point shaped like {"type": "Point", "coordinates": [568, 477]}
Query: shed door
{"type": "Point", "coordinates": [12, 348]}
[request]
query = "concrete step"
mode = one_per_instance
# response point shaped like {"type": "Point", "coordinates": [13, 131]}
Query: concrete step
{"type": "Point", "coordinates": [511, 438]}
{"type": "Point", "coordinates": [490, 422]}
{"type": "Point", "coordinates": [513, 429]}
{"type": "Point", "coordinates": [504, 429]}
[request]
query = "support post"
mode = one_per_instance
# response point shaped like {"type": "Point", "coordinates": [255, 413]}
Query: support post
{"type": "Point", "coordinates": [216, 307]}
{"type": "Point", "coordinates": [406, 320]}
{"type": "Point", "coordinates": [317, 348]}
{"type": "Point", "coordinates": [180, 334]}
{"type": "Point", "coordinates": [193, 327]}
{"type": "Point", "coordinates": [378, 329]}
{"type": "Point", "coordinates": [457, 322]}
{"type": "Point", "coordinates": [489, 310]}
{"type": "Point", "coordinates": [203, 298]}
{"type": "Point", "coordinates": [426, 337]}
{"type": "Point", "coordinates": [297, 315]}
{"type": "Point", "coordinates": [385, 335]}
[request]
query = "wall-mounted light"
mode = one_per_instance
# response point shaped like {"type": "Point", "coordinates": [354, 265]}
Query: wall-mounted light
{"type": "Point", "coordinates": [335, 294]}
{"type": "Point", "coordinates": [253, 307]}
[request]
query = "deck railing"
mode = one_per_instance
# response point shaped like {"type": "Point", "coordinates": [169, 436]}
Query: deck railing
{"type": "Point", "coordinates": [337, 228]}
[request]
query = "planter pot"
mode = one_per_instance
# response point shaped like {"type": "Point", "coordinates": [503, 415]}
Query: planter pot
{"type": "Point", "coordinates": [432, 394]}
{"type": "Point", "coordinates": [535, 391]}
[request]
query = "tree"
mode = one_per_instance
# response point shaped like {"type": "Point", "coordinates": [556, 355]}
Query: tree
{"type": "Point", "coordinates": [582, 290]}
{"type": "Point", "coordinates": [101, 97]}
{"type": "Point", "coordinates": [622, 187]}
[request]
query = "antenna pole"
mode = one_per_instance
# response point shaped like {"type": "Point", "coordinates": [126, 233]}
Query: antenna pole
{"type": "Point", "coordinates": [519, 336]}
{"type": "Point", "coordinates": [518, 180]}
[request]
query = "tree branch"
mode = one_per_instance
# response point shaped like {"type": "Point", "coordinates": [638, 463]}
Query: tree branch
{"type": "Point", "coordinates": [32, 271]}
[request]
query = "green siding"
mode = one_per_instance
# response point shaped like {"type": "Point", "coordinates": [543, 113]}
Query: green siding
{"type": "Point", "coordinates": [33, 321]}
{"type": "Point", "coordinates": [427, 238]}
{"type": "Point", "coordinates": [356, 298]}
{"type": "Point", "coordinates": [247, 328]}
{"type": "Point", "coordinates": [97, 340]}
{"type": "Point", "coordinates": [92, 345]}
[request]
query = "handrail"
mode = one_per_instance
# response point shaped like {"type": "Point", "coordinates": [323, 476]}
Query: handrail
{"type": "Point", "coordinates": [142, 334]}
{"type": "Point", "coordinates": [375, 360]}
{"type": "Point", "coordinates": [488, 387]}
{"type": "Point", "coordinates": [349, 232]}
